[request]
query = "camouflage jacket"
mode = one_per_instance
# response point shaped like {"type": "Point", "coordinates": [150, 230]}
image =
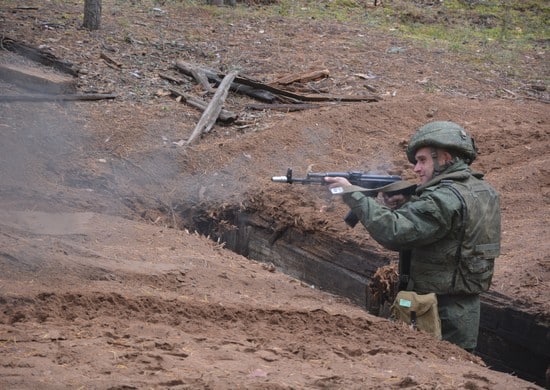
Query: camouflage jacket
{"type": "Point", "coordinates": [451, 228]}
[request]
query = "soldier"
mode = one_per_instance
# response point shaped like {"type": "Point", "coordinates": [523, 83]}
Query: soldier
{"type": "Point", "coordinates": [448, 234]}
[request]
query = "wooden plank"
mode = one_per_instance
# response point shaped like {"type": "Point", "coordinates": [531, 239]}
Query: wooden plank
{"type": "Point", "coordinates": [37, 79]}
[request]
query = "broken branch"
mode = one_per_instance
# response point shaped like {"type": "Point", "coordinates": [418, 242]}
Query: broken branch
{"type": "Point", "coordinates": [214, 108]}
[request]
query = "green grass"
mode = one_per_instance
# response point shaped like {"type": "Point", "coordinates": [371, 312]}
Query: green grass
{"type": "Point", "coordinates": [496, 32]}
{"type": "Point", "coordinates": [457, 24]}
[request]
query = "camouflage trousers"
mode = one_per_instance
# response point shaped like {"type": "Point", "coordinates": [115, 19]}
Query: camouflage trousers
{"type": "Point", "coordinates": [459, 316]}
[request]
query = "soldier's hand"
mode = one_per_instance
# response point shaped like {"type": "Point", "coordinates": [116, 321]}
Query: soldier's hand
{"type": "Point", "coordinates": [337, 181]}
{"type": "Point", "coordinates": [395, 201]}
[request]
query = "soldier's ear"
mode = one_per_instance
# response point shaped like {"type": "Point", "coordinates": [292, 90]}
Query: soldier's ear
{"type": "Point", "coordinates": [447, 157]}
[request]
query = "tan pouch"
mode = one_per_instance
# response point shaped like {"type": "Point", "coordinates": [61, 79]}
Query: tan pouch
{"type": "Point", "coordinates": [417, 310]}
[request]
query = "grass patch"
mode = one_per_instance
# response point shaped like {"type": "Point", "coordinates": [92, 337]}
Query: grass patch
{"type": "Point", "coordinates": [495, 32]}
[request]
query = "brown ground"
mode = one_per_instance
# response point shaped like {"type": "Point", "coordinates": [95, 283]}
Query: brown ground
{"type": "Point", "coordinates": [98, 290]}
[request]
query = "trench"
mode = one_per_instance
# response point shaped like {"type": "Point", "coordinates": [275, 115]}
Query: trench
{"type": "Point", "coordinates": [512, 339]}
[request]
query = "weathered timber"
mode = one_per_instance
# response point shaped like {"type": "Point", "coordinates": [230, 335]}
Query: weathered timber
{"type": "Point", "coordinates": [37, 79]}
{"type": "Point", "coordinates": [200, 76]}
{"type": "Point", "coordinates": [340, 268]}
{"type": "Point", "coordinates": [38, 55]}
{"type": "Point", "coordinates": [301, 77]}
{"type": "Point", "coordinates": [210, 115]}
{"type": "Point", "coordinates": [513, 338]}
{"type": "Point", "coordinates": [259, 94]}
{"type": "Point", "coordinates": [225, 115]}
{"type": "Point", "coordinates": [308, 98]}
{"type": "Point", "coordinates": [53, 98]}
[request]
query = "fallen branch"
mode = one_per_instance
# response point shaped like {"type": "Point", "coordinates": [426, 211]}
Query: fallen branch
{"type": "Point", "coordinates": [214, 108]}
{"type": "Point", "coordinates": [225, 116]}
{"type": "Point", "coordinates": [53, 98]}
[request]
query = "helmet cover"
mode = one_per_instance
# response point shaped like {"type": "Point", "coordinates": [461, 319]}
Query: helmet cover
{"type": "Point", "coordinates": [443, 135]}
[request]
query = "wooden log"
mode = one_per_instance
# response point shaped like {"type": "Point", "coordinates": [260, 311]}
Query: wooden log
{"type": "Point", "coordinates": [53, 98]}
{"type": "Point", "coordinates": [37, 79]}
{"type": "Point", "coordinates": [38, 55]}
{"type": "Point", "coordinates": [214, 108]}
{"type": "Point", "coordinates": [225, 116]}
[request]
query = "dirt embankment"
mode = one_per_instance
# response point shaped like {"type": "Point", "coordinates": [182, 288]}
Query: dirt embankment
{"type": "Point", "coordinates": [97, 289]}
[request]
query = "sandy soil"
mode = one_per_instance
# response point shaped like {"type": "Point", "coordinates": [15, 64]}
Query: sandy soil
{"type": "Point", "coordinates": [103, 286]}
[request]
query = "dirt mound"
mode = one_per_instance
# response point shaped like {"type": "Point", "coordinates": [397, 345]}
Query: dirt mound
{"type": "Point", "coordinates": [102, 286]}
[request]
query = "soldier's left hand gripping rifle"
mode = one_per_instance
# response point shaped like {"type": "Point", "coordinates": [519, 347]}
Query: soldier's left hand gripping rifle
{"type": "Point", "coordinates": [370, 184]}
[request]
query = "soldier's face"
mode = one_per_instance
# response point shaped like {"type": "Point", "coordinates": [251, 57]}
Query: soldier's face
{"type": "Point", "coordinates": [424, 166]}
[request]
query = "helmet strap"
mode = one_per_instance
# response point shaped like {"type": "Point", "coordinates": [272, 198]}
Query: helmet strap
{"type": "Point", "coordinates": [435, 159]}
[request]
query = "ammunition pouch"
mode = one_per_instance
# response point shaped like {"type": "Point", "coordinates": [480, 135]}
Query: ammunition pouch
{"type": "Point", "coordinates": [418, 311]}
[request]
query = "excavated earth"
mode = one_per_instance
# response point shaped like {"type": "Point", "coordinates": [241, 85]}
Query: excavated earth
{"type": "Point", "coordinates": [105, 281]}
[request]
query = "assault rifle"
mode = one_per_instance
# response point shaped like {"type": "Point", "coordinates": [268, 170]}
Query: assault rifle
{"type": "Point", "coordinates": [370, 183]}
{"type": "Point", "coordinates": [356, 178]}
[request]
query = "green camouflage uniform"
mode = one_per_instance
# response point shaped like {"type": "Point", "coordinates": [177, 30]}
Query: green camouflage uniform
{"type": "Point", "coordinates": [452, 231]}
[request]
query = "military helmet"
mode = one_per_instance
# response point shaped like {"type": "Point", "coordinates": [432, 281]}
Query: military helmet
{"type": "Point", "coordinates": [444, 135]}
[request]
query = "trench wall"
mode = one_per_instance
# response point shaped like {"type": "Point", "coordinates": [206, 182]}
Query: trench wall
{"type": "Point", "coordinates": [511, 339]}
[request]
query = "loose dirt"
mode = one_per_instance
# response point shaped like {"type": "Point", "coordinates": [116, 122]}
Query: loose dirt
{"type": "Point", "coordinates": [104, 285]}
